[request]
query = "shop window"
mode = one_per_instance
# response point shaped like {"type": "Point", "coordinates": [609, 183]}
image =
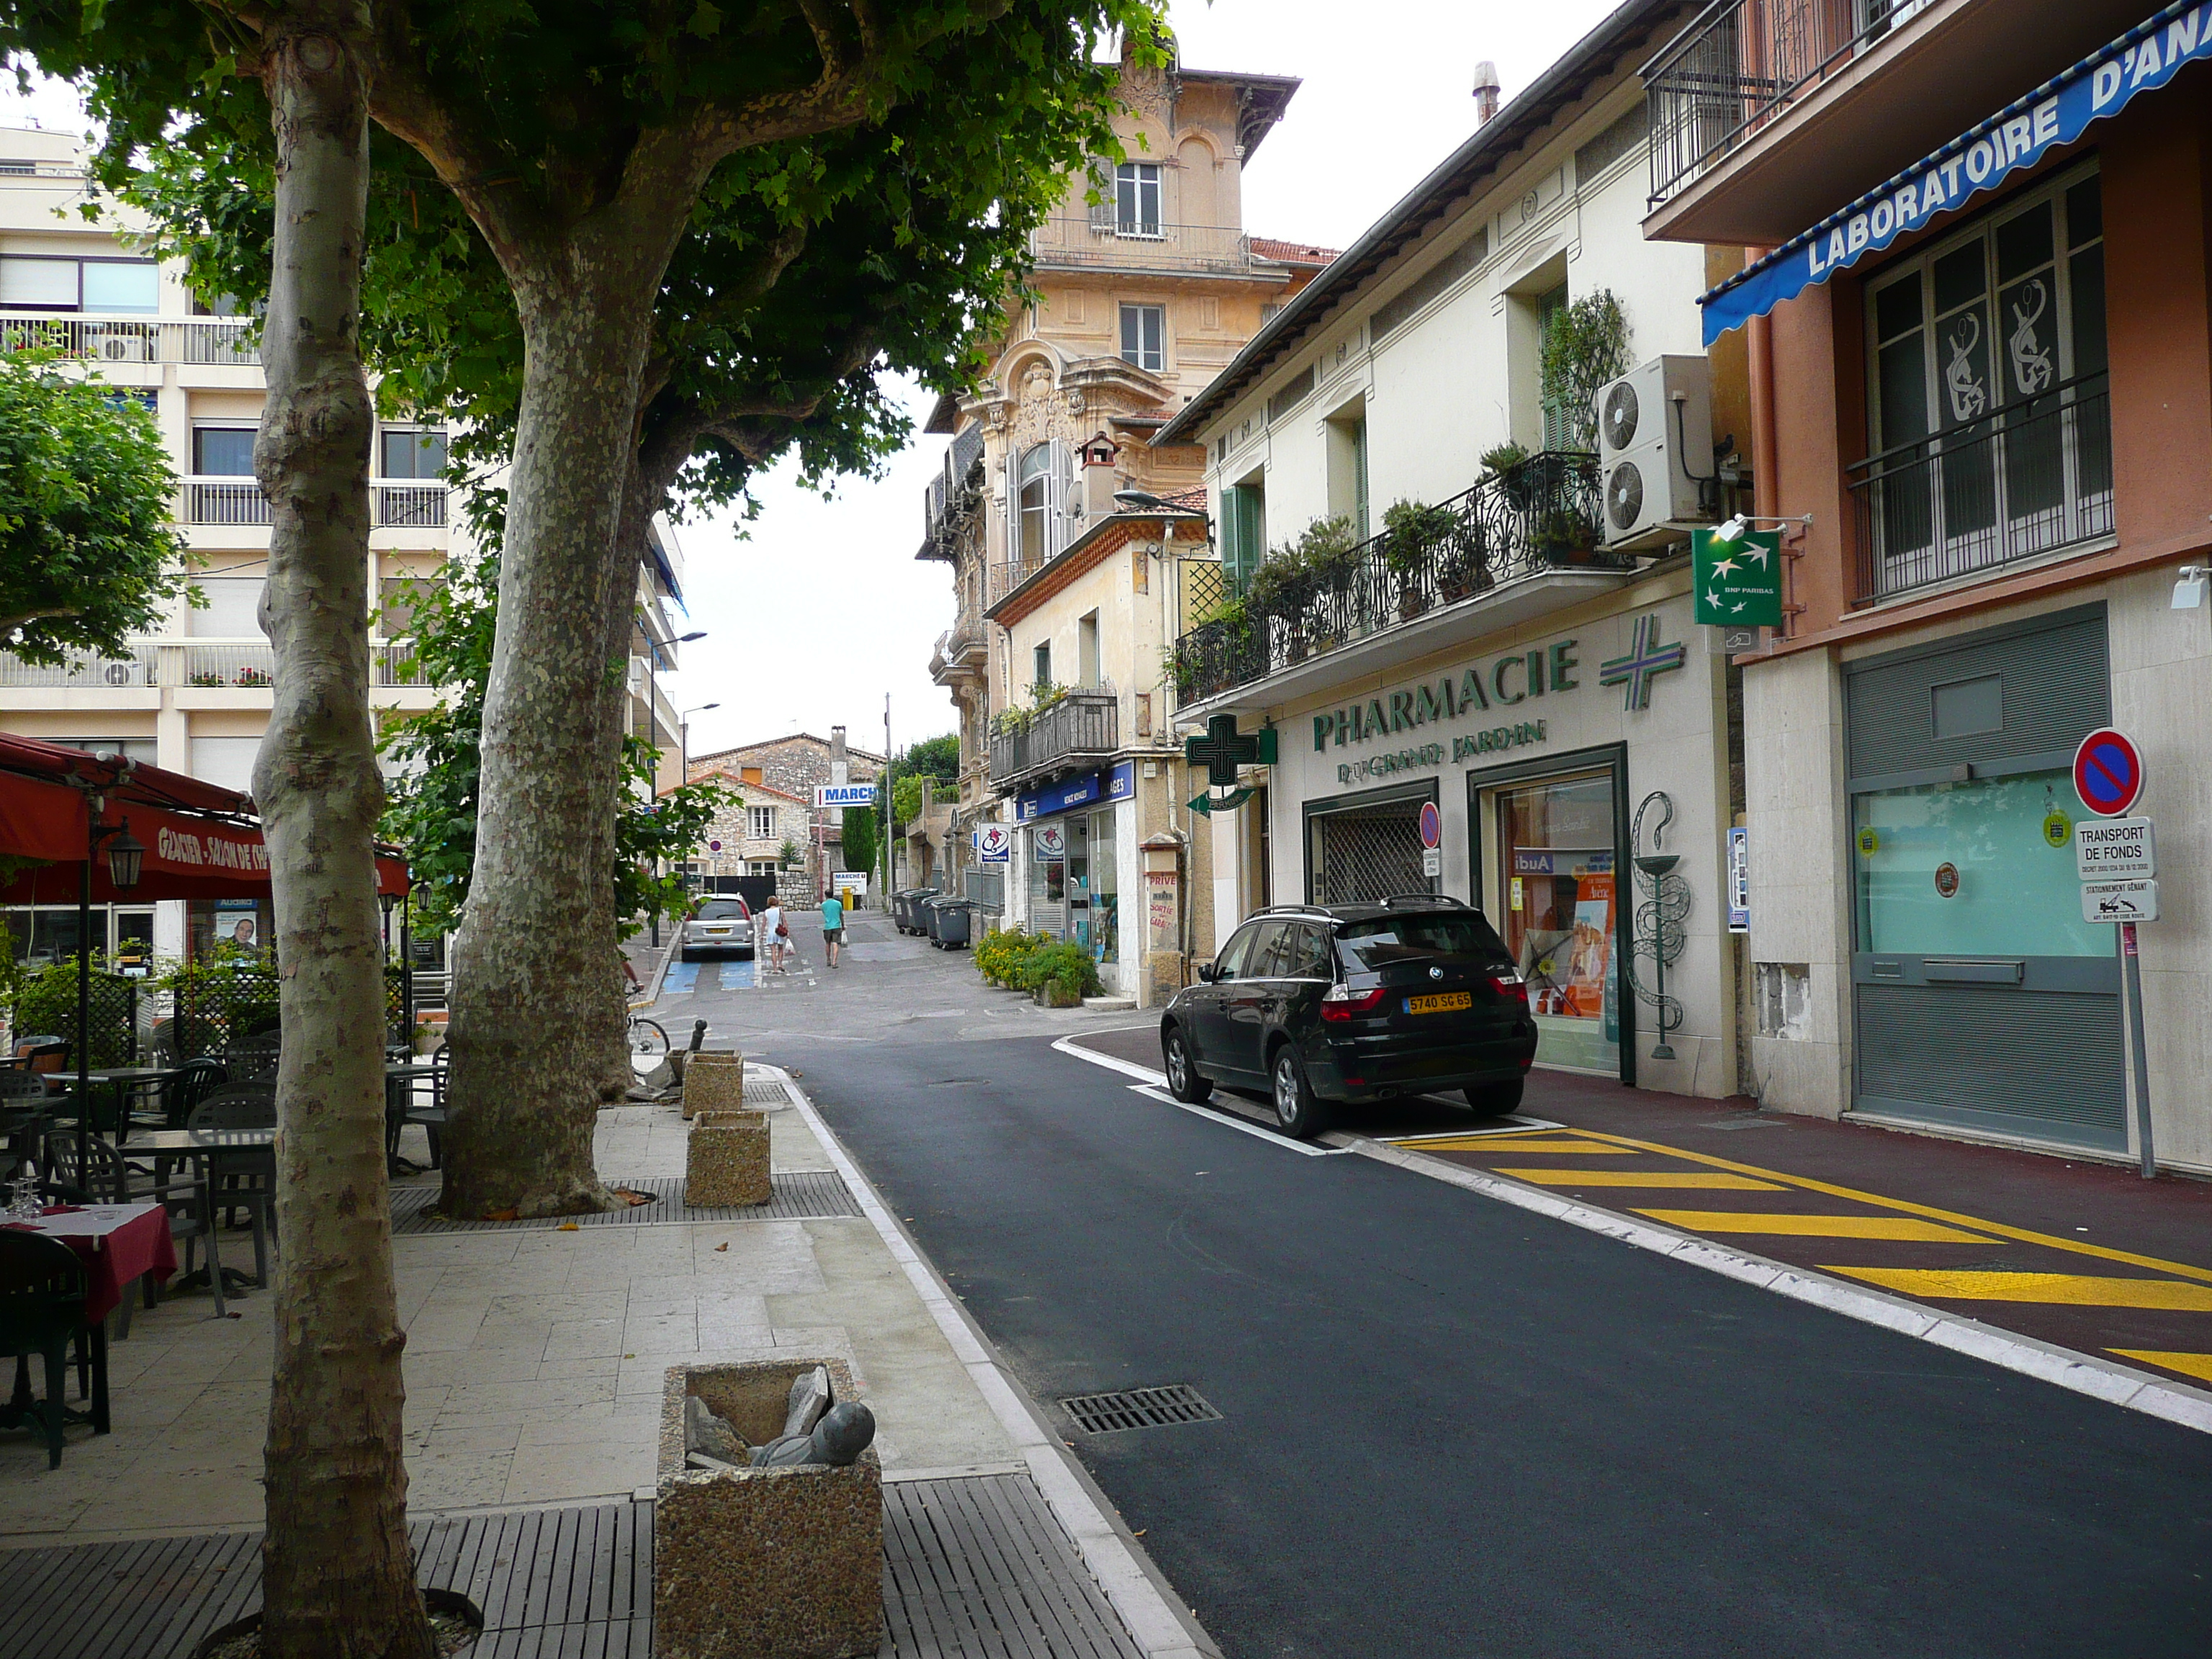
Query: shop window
{"type": "Point", "coordinates": [1556, 873]}
{"type": "Point", "coordinates": [1989, 419]}
{"type": "Point", "coordinates": [1364, 853]}
{"type": "Point", "coordinates": [1948, 869]}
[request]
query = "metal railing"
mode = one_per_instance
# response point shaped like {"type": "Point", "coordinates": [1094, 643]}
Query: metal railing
{"type": "Point", "coordinates": [392, 504]}
{"type": "Point", "coordinates": [139, 668]}
{"type": "Point", "coordinates": [1151, 244]}
{"type": "Point", "coordinates": [2033, 476]}
{"type": "Point", "coordinates": [1081, 725]}
{"type": "Point", "coordinates": [1539, 516]}
{"type": "Point", "coordinates": [1740, 65]}
{"type": "Point", "coordinates": [229, 664]}
{"type": "Point", "coordinates": [215, 341]}
{"type": "Point", "coordinates": [987, 886]}
{"type": "Point", "coordinates": [952, 495]}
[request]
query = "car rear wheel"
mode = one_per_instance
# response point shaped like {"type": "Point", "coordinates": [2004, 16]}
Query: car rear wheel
{"type": "Point", "coordinates": [1296, 1108]}
{"type": "Point", "coordinates": [685, 955]}
{"type": "Point", "coordinates": [1183, 1081]}
{"type": "Point", "coordinates": [1496, 1099]}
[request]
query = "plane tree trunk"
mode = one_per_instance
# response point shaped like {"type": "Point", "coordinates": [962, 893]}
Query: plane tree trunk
{"type": "Point", "coordinates": [339, 1577]}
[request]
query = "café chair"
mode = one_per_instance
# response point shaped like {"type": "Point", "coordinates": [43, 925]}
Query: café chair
{"type": "Point", "coordinates": [42, 1298]}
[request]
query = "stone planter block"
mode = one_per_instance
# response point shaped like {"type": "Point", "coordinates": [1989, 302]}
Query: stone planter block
{"type": "Point", "coordinates": [725, 1160]}
{"type": "Point", "coordinates": [714, 1082]}
{"type": "Point", "coordinates": [763, 1563]}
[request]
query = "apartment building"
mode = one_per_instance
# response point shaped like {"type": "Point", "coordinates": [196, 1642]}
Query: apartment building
{"type": "Point", "coordinates": [1467, 657]}
{"type": "Point", "coordinates": [194, 696]}
{"type": "Point", "coordinates": [1065, 527]}
{"type": "Point", "coordinates": [1977, 314]}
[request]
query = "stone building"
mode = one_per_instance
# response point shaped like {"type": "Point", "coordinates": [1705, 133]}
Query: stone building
{"type": "Point", "coordinates": [1147, 286]}
{"type": "Point", "coordinates": [757, 836]}
{"type": "Point", "coordinates": [783, 772]}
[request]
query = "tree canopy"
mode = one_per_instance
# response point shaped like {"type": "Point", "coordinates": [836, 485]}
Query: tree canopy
{"type": "Point", "coordinates": [87, 556]}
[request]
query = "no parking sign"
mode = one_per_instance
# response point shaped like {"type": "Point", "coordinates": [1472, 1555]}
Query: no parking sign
{"type": "Point", "coordinates": [2108, 772]}
{"type": "Point", "coordinates": [1433, 840]}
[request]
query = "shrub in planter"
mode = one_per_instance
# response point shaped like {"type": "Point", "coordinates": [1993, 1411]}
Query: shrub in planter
{"type": "Point", "coordinates": [1001, 953]}
{"type": "Point", "coordinates": [1062, 972]}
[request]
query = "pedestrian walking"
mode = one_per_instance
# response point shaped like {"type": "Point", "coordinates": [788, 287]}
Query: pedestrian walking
{"type": "Point", "coordinates": [774, 934]}
{"type": "Point", "coordinates": [833, 926]}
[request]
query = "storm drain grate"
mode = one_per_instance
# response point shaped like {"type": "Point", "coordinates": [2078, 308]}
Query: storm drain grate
{"type": "Point", "coordinates": [1139, 1408]}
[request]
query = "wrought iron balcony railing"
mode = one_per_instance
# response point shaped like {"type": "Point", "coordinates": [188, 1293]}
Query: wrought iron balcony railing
{"type": "Point", "coordinates": [1539, 516]}
{"type": "Point", "coordinates": [1146, 245]}
{"type": "Point", "coordinates": [1083, 726]}
{"type": "Point", "coordinates": [1740, 65]}
{"type": "Point", "coordinates": [2031, 477]}
{"type": "Point", "coordinates": [951, 498]}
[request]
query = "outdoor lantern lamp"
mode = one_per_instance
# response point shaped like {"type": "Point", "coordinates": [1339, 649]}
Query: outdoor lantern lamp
{"type": "Point", "coordinates": [126, 856]}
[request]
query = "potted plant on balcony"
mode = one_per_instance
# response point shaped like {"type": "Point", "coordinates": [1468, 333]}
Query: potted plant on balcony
{"type": "Point", "coordinates": [207, 680]}
{"type": "Point", "coordinates": [1502, 465]}
{"type": "Point", "coordinates": [252, 678]}
{"type": "Point", "coordinates": [1585, 345]}
{"type": "Point", "coordinates": [1414, 535]}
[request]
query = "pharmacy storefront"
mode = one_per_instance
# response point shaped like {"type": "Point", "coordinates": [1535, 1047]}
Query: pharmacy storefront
{"type": "Point", "coordinates": [1070, 843]}
{"type": "Point", "coordinates": [1536, 750]}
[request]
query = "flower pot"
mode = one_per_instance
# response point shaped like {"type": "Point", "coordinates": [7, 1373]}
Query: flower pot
{"type": "Point", "coordinates": [1410, 606]}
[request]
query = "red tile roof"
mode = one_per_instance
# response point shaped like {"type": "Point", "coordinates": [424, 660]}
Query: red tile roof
{"type": "Point", "coordinates": [1292, 253]}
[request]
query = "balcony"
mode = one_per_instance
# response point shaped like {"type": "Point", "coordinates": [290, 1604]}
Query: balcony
{"type": "Point", "coordinates": [208, 341]}
{"type": "Point", "coordinates": [1535, 519]}
{"type": "Point", "coordinates": [394, 504]}
{"type": "Point", "coordinates": [2028, 481]}
{"type": "Point", "coordinates": [202, 664]}
{"type": "Point", "coordinates": [962, 653]}
{"type": "Point", "coordinates": [949, 504]}
{"type": "Point", "coordinates": [1083, 728]}
{"type": "Point", "coordinates": [1768, 115]}
{"type": "Point", "coordinates": [1099, 243]}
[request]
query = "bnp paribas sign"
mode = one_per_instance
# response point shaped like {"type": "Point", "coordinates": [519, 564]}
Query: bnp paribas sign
{"type": "Point", "coordinates": [1464, 695]}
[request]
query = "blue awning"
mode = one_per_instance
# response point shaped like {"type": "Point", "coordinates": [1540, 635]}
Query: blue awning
{"type": "Point", "coordinates": [1981, 158]}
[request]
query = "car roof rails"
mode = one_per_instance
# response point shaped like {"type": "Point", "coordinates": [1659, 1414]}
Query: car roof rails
{"type": "Point", "coordinates": [1393, 900]}
{"type": "Point", "coordinates": [1291, 910]}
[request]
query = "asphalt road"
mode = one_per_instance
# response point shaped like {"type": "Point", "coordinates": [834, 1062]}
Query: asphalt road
{"type": "Point", "coordinates": [1452, 1428]}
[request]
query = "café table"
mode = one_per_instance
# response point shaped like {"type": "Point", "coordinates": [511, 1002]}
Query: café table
{"type": "Point", "coordinates": [119, 1244]}
{"type": "Point", "coordinates": [126, 1081]}
{"type": "Point", "coordinates": [202, 1147]}
{"type": "Point", "coordinates": [399, 1080]}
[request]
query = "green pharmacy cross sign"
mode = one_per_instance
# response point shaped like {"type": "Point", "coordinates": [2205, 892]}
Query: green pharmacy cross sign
{"type": "Point", "coordinates": [1737, 580]}
{"type": "Point", "coordinates": [1646, 657]}
{"type": "Point", "coordinates": [1222, 750]}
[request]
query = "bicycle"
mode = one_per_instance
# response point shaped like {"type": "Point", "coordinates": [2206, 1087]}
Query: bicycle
{"type": "Point", "coordinates": [646, 1037]}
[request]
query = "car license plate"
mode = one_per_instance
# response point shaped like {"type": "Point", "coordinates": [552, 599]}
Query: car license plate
{"type": "Point", "coordinates": [718, 931]}
{"type": "Point", "coordinates": [1444, 1002]}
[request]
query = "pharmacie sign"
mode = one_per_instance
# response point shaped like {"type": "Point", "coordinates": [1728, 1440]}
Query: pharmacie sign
{"type": "Point", "coordinates": [1467, 694]}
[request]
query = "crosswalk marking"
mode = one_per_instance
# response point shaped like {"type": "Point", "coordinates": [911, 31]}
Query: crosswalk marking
{"type": "Point", "coordinates": [2075, 1290]}
{"type": "Point", "coordinates": [1488, 1144]}
{"type": "Point", "coordinates": [1902, 1228]}
{"type": "Point", "coordinates": [1549, 1177]}
{"type": "Point", "coordinates": [2189, 1364]}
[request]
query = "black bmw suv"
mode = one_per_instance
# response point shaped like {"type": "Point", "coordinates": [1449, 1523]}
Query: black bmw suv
{"type": "Point", "coordinates": [1354, 1003]}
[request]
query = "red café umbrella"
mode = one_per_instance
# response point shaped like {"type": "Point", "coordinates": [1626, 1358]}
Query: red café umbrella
{"type": "Point", "coordinates": [198, 841]}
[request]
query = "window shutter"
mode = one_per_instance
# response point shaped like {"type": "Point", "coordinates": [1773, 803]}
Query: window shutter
{"type": "Point", "coordinates": [1060, 499]}
{"type": "Point", "coordinates": [1102, 185]}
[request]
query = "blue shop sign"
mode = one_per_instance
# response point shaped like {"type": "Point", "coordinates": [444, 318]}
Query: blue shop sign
{"type": "Point", "coordinates": [1120, 784]}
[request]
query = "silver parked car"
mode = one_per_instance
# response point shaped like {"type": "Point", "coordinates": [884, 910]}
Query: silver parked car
{"type": "Point", "coordinates": [720, 924]}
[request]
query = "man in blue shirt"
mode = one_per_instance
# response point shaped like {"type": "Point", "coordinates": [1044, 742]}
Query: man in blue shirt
{"type": "Point", "coordinates": [833, 926]}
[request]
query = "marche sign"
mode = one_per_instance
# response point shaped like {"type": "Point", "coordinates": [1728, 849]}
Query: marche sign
{"type": "Point", "coordinates": [1738, 582]}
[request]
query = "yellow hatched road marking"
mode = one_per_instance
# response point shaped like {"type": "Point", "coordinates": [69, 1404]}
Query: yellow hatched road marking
{"type": "Point", "coordinates": [1905, 1206]}
{"type": "Point", "coordinates": [1488, 1144]}
{"type": "Point", "coordinates": [1638, 1178]}
{"type": "Point", "coordinates": [2072, 1289]}
{"type": "Point", "coordinates": [1815, 1226]}
{"type": "Point", "coordinates": [2189, 1364]}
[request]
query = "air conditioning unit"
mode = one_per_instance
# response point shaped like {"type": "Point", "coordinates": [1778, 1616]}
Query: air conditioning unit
{"type": "Point", "coordinates": [121, 347]}
{"type": "Point", "coordinates": [1655, 452]}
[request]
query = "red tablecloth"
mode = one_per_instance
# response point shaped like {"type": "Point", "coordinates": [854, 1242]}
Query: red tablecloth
{"type": "Point", "coordinates": [118, 1242]}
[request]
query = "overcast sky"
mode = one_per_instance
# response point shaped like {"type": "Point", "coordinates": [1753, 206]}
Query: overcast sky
{"type": "Point", "coordinates": [819, 609]}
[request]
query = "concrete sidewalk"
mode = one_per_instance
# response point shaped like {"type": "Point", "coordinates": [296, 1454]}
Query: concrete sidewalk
{"type": "Point", "coordinates": [536, 1357]}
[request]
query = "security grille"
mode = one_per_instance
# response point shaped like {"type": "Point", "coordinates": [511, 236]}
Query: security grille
{"type": "Point", "coordinates": [1139, 1408]}
{"type": "Point", "coordinates": [1367, 853]}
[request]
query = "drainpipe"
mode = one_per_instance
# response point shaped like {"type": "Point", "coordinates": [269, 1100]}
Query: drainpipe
{"type": "Point", "coordinates": [1765, 464]}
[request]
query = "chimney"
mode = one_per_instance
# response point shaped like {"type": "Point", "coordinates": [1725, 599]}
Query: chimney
{"type": "Point", "coordinates": [1486, 91]}
{"type": "Point", "coordinates": [840, 771]}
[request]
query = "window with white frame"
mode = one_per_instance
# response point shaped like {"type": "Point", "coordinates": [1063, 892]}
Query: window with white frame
{"type": "Point", "coordinates": [1988, 410]}
{"type": "Point", "coordinates": [760, 822]}
{"type": "Point", "coordinates": [38, 282]}
{"type": "Point", "coordinates": [1034, 504]}
{"type": "Point", "coordinates": [412, 453]}
{"type": "Point", "coordinates": [1137, 199]}
{"type": "Point", "coordinates": [1143, 336]}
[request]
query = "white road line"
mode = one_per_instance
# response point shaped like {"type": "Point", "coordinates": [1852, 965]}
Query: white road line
{"type": "Point", "coordinates": [1231, 1120]}
{"type": "Point", "coordinates": [2101, 1379]}
{"type": "Point", "coordinates": [1126, 1067]}
{"type": "Point", "coordinates": [1147, 1602]}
